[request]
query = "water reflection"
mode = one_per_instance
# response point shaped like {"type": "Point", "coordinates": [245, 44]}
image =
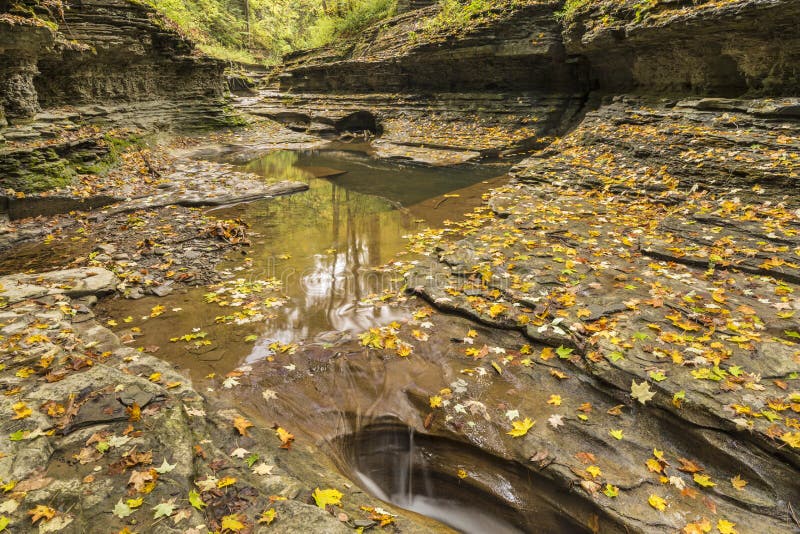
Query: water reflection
{"type": "Point", "coordinates": [327, 245]}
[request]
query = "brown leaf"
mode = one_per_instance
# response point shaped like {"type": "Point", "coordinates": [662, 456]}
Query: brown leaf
{"type": "Point", "coordinates": [586, 457]}
{"type": "Point", "coordinates": [688, 466]}
{"type": "Point", "coordinates": [241, 424]}
{"type": "Point", "coordinates": [41, 512]}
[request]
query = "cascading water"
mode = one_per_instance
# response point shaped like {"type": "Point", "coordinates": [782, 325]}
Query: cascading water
{"type": "Point", "coordinates": [418, 472]}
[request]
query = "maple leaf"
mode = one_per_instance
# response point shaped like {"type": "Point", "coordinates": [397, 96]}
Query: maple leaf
{"type": "Point", "coordinates": [241, 424]}
{"type": "Point", "coordinates": [268, 516]}
{"type": "Point", "coordinates": [520, 427]}
{"type": "Point", "coordinates": [225, 482]}
{"type": "Point", "coordinates": [263, 469]}
{"type": "Point", "coordinates": [657, 502]}
{"type": "Point", "coordinates": [611, 491]}
{"type": "Point", "coordinates": [564, 352]}
{"type": "Point", "coordinates": [122, 510]}
{"type": "Point", "coordinates": [165, 467]}
{"type": "Point", "coordinates": [435, 401]}
{"type": "Point", "coordinates": [328, 496]}
{"type": "Point", "coordinates": [195, 500]}
{"type": "Point", "coordinates": [232, 523]}
{"type": "Point", "coordinates": [616, 434]}
{"type": "Point", "coordinates": [725, 527]}
{"type": "Point", "coordinates": [703, 480]}
{"type": "Point", "coordinates": [738, 482]}
{"type": "Point", "coordinates": [165, 509]}
{"type": "Point", "coordinates": [139, 479]}
{"type": "Point", "coordinates": [21, 410]}
{"type": "Point", "coordinates": [556, 420]}
{"type": "Point", "coordinates": [641, 392]}
{"type": "Point", "coordinates": [792, 438]}
{"type": "Point", "coordinates": [4, 521]}
{"type": "Point", "coordinates": [594, 471]}
{"type": "Point", "coordinates": [698, 527]}
{"type": "Point", "coordinates": [688, 466]}
{"type": "Point", "coordinates": [555, 400]}
{"type": "Point", "coordinates": [496, 309]}
{"type": "Point", "coordinates": [41, 512]}
{"type": "Point", "coordinates": [285, 437]}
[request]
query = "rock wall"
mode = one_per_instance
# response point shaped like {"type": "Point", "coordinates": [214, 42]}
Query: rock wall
{"type": "Point", "coordinates": [105, 52]}
{"type": "Point", "coordinates": [511, 49]}
{"type": "Point", "coordinates": [67, 79]}
{"type": "Point", "coordinates": [675, 47]}
{"type": "Point", "coordinates": [721, 48]}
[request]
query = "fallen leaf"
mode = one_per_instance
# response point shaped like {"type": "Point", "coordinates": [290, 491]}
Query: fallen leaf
{"type": "Point", "coordinates": [657, 502]}
{"type": "Point", "coordinates": [241, 424]}
{"type": "Point", "coordinates": [325, 497]}
{"type": "Point", "coordinates": [520, 427]}
{"type": "Point", "coordinates": [641, 392]}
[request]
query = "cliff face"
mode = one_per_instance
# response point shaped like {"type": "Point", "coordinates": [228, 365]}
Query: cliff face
{"type": "Point", "coordinates": [68, 79]}
{"type": "Point", "coordinates": [725, 48]}
{"type": "Point", "coordinates": [669, 47]}
{"type": "Point", "coordinates": [101, 52]}
{"type": "Point", "coordinates": [508, 49]}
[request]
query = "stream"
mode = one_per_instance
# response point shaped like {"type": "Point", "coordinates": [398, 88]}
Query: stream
{"type": "Point", "coordinates": [327, 247]}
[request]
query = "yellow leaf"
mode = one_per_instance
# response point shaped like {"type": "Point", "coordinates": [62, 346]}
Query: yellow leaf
{"type": "Point", "coordinates": [738, 482]}
{"type": "Point", "coordinates": [232, 523]}
{"type": "Point", "coordinates": [462, 473]}
{"type": "Point", "coordinates": [725, 527]}
{"type": "Point", "coordinates": [285, 437]}
{"type": "Point", "coordinates": [616, 433]}
{"type": "Point", "coordinates": [654, 465]}
{"type": "Point", "coordinates": [226, 481]}
{"type": "Point", "coordinates": [41, 512]}
{"type": "Point", "coordinates": [21, 410]}
{"type": "Point", "coordinates": [555, 400]}
{"type": "Point", "coordinates": [155, 377]}
{"type": "Point", "coordinates": [328, 496]}
{"type": "Point", "coordinates": [594, 471]}
{"type": "Point", "coordinates": [496, 309]}
{"type": "Point", "coordinates": [657, 502]}
{"type": "Point", "coordinates": [268, 516]}
{"type": "Point", "coordinates": [134, 503]}
{"type": "Point", "coordinates": [611, 491]}
{"type": "Point", "coordinates": [436, 401]}
{"type": "Point", "coordinates": [520, 427]}
{"type": "Point", "coordinates": [241, 424]}
{"type": "Point", "coordinates": [703, 480]}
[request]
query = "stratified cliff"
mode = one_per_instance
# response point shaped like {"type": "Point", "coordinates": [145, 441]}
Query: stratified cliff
{"type": "Point", "coordinates": [70, 72]}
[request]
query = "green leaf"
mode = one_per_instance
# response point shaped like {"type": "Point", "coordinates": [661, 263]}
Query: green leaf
{"type": "Point", "coordinates": [250, 460]}
{"type": "Point", "coordinates": [735, 370]}
{"type": "Point", "coordinates": [19, 435]}
{"type": "Point", "coordinates": [791, 333]}
{"type": "Point", "coordinates": [122, 510]}
{"type": "Point", "coordinates": [165, 509]}
{"type": "Point", "coordinates": [658, 376]}
{"type": "Point", "coordinates": [564, 352]}
{"type": "Point", "coordinates": [611, 491]}
{"type": "Point", "coordinates": [102, 446]}
{"type": "Point", "coordinates": [641, 336]}
{"type": "Point", "coordinates": [4, 521]}
{"type": "Point", "coordinates": [616, 355]}
{"type": "Point", "coordinates": [251, 337]}
{"type": "Point", "coordinates": [195, 500]}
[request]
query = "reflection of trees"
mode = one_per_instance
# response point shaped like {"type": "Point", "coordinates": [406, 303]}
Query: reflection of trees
{"type": "Point", "coordinates": [278, 165]}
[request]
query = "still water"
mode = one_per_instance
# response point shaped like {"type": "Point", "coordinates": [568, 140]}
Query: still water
{"type": "Point", "coordinates": [327, 246]}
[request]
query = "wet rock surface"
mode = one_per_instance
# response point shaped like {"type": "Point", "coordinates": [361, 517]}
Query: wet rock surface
{"type": "Point", "coordinates": [104, 437]}
{"type": "Point", "coordinates": [664, 285]}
